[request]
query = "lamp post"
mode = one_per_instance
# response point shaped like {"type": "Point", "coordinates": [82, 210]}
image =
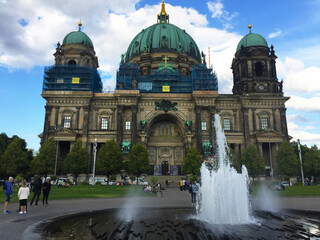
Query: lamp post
{"type": "Point", "coordinates": [299, 148]}
{"type": "Point", "coordinates": [94, 162]}
{"type": "Point", "coordinates": [57, 150]}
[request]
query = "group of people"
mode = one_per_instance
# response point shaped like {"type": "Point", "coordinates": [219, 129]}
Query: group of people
{"type": "Point", "coordinates": [24, 192]}
{"type": "Point", "coordinates": [192, 187]}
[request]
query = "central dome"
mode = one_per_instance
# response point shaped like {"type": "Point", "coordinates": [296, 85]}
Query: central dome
{"type": "Point", "coordinates": [162, 37]}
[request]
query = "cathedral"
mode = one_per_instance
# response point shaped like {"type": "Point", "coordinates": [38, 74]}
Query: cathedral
{"type": "Point", "coordinates": [165, 97]}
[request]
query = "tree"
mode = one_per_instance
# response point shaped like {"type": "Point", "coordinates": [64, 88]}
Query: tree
{"type": "Point", "coordinates": [77, 160]}
{"type": "Point", "coordinates": [234, 161]}
{"type": "Point", "coordinates": [287, 161]}
{"type": "Point", "coordinates": [4, 142]}
{"type": "Point", "coordinates": [253, 162]}
{"type": "Point", "coordinates": [44, 162]}
{"type": "Point", "coordinates": [311, 162]}
{"type": "Point", "coordinates": [192, 162]}
{"type": "Point", "coordinates": [138, 161]}
{"type": "Point", "coordinates": [110, 159]}
{"type": "Point", "coordinates": [15, 159]}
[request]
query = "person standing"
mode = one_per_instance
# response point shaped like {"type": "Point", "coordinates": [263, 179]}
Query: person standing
{"type": "Point", "coordinates": [46, 190]}
{"type": "Point", "coordinates": [37, 190]}
{"type": "Point", "coordinates": [193, 192]}
{"type": "Point", "coordinates": [8, 193]}
{"type": "Point", "coordinates": [23, 195]}
{"type": "Point", "coordinates": [25, 180]}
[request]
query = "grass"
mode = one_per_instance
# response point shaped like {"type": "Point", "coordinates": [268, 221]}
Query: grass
{"type": "Point", "coordinates": [85, 191]}
{"type": "Point", "coordinates": [292, 191]}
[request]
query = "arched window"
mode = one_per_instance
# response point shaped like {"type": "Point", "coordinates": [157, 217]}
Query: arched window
{"type": "Point", "coordinates": [72, 62]}
{"type": "Point", "coordinates": [258, 69]}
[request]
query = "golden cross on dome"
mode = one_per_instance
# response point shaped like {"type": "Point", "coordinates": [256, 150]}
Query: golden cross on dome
{"type": "Point", "coordinates": [165, 60]}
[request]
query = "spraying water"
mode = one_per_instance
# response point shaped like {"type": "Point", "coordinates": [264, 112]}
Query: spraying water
{"type": "Point", "coordinates": [223, 192]}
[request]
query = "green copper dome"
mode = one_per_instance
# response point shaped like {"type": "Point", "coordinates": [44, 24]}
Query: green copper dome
{"type": "Point", "coordinates": [162, 37]}
{"type": "Point", "coordinates": [77, 37]}
{"type": "Point", "coordinates": [252, 39]}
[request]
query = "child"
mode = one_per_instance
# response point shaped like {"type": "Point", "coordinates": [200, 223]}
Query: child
{"type": "Point", "coordinates": [23, 195]}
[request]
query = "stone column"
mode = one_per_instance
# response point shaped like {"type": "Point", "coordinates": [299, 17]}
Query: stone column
{"type": "Point", "coordinates": [119, 124]}
{"type": "Point", "coordinates": [235, 126]}
{"type": "Point", "coordinates": [134, 125]}
{"type": "Point", "coordinates": [212, 129]}
{"type": "Point", "coordinates": [254, 119]}
{"type": "Point", "coordinates": [198, 128]}
{"type": "Point", "coordinates": [85, 127]}
{"type": "Point", "coordinates": [260, 150]}
{"type": "Point", "coordinates": [46, 124]}
{"type": "Point", "coordinates": [246, 128]}
{"type": "Point", "coordinates": [56, 117]}
{"type": "Point", "coordinates": [284, 127]}
{"type": "Point", "coordinates": [77, 118]}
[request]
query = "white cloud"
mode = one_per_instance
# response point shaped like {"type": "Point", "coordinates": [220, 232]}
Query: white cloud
{"type": "Point", "coordinates": [305, 137]}
{"type": "Point", "coordinates": [297, 118]}
{"type": "Point", "coordinates": [297, 78]}
{"type": "Point", "coordinates": [218, 11]}
{"type": "Point", "coordinates": [110, 27]}
{"type": "Point", "coordinates": [274, 34]}
{"type": "Point", "coordinates": [304, 104]}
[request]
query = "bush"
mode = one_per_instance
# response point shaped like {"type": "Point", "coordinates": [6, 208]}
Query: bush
{"type": "Point", "coordinates": [133, 178]}
{"type": "Point", "coordinates": [84, 184]}
{"type": "Point", "coordinates": [193, 178]}
{"type": "Point", "coordinates": [19, 179]}
{"type": "Point", "coordinates": [98, 184]}
{"type": "Point", "coordinates": [53, 178]}
{"type": "Point", "coordinates": [154, 180]}
{"type": "Point", "coordinates": [286, 178]}
{"type": "Point", "coordinates": [113, 177]}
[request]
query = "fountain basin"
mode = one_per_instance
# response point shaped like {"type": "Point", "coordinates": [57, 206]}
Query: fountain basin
{"type": "Point", "coordinates": [179, 223]}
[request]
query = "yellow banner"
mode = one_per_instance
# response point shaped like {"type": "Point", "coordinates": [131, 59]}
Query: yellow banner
{"type": "Point", "coordinates": [75, 80]}
{"type": "Point", "coordinates": [165, 88]}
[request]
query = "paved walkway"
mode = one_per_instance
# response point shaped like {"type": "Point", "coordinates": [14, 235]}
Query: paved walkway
{"type": "Point", "coordinates": [14, 226]}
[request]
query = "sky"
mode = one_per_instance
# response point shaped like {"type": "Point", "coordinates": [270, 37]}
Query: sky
{"type": "Point", "coordinates": [30, 30]}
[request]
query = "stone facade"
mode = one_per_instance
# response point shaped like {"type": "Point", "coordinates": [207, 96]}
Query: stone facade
{"type": "Point", "coordinates": [254, 114]}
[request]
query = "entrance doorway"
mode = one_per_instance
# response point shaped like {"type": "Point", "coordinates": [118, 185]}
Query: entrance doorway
{"type": "Point", "coordinates": [165, 168]}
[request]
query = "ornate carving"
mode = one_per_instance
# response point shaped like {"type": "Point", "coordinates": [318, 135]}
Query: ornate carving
{"type": "Point", "coordinates": [188, 124]}
{"type": "Point", "coordinates": [125, 146]}
{"type": "Point", "coordinates": [143, 124]}
{"type": "Point", "coordinates": [166, 105]}
{"type": "Point", "coordinates": [207, 148]}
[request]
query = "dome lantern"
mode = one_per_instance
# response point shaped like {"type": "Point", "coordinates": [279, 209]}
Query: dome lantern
{"type": "Point", "coordinates": [163, 17]}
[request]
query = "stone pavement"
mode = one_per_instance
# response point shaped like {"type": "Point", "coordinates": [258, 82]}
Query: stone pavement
{"type": "Point", "coordinates": [14, 226]}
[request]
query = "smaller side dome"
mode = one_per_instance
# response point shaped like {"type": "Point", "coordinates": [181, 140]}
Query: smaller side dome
{"type": "Point", "coordinates": [252, 39]}
{"type": "Point", "coordinates": [77, 37]}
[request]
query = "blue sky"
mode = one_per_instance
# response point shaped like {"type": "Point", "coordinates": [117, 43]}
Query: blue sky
{"type": "Point", "coordinates": [29, 35]}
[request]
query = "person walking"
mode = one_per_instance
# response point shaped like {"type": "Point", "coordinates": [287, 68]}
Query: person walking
{"type": "Point", "coordinates": [193, 191]}
{"type": "Point", "coordinates": [46, 190]}
{"type": "Point", "coordinates": [23, 195]}
{"type": "Point", "coordinates": [8, 192]}
{"type": "Point", "coordinates": [37, 191]}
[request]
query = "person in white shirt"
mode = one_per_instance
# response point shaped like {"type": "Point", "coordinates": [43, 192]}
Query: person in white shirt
{"type": "Point", "coordinates": [23, 195]}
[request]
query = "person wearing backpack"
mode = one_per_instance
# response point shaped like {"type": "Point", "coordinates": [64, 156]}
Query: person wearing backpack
{"type": "Point", "coordinates": [37, 191]}
{"type": "Point", "coordinates": [8, 192]}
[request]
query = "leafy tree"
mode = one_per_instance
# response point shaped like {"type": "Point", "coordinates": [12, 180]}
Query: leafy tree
{"type": "Point", "coordinates": [44, 162]}
{"type": "Point", "coordinates": [287, 161]}
{"type": "Point", "coordinates": [4, 142]}
{"type": "Point", "coordinates": [192, 162]}
{"type": "Point", "coordinates": [234, 161]}
{"type": "Point", "coordinates": [138, 161]}
{"type": "Point", "coordinates": [77, 160]}
{"type": "Point", "coordinates": [110, 159]}
{"type": "Point", "coordinates": [253, 162]}
{"type": "Point", "coordinates": [15, 159]}
{"type": "Point", "coordinates": [311, 162]}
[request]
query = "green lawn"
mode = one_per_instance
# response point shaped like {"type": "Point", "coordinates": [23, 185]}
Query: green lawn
{"type": "Point", "coordinates": [293, 191]}
{"type": "Point", "coordinates": [86, 191]}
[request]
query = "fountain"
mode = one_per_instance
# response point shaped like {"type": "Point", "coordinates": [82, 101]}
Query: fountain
{"type": "Point", "coordinates": [223, 192]}
{"type": "Point", "coordinates": [222, 212]}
